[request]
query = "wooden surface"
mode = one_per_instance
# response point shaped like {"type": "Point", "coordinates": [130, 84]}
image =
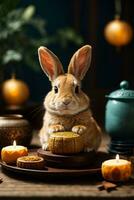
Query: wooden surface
{"type": "Point", "coordinates": [14, 187]}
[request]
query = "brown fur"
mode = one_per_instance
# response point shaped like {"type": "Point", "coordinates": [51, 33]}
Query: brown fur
{"type": "Point", "coordinates": [68, 109]}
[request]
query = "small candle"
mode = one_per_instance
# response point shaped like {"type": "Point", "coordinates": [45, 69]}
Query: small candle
{"type": "Point", "coordinates": [116, 169]}
{"type": "Point", "coordinates": [9, 154]}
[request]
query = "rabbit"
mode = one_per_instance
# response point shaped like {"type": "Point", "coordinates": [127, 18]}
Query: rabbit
{"type": "Point", "coordinates": [67, 106]}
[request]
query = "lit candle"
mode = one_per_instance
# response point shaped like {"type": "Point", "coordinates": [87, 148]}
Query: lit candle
{"type": "Point", "coordinates": [116, 169]}
{"type": "Point", "coordinates": [9, 154]}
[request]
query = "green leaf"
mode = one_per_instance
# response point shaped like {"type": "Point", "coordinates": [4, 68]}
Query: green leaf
{"type": "Point", "coordinates": [28, 13]}
{"type": "Point", "coordinates": [6, 6]}
{"type": "Point", "coordinates": [66, 35]}
{"type": "Point", "coordinates": [11, 55]}
{"type": "Point", "coordinates": [16, 44]}
{"type": "Point", "coordinates": [39, 25]}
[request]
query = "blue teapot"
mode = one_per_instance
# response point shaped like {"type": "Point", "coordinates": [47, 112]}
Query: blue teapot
{"type": "Point", "coordinates": [119, 119]}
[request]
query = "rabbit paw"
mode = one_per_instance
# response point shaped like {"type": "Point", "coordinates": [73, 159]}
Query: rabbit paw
{"type": "Point", "coordinates": [79, 129]}
{"type": "Point", "coordinates": [56, 128]}
{"type": "Point", "coordinates": [45, 146]}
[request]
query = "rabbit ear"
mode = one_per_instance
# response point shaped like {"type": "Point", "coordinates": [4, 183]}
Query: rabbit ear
{"type": "Point", "coordinates": [80, 62]}
{"type": "Point", "coordinates": [50, 63]}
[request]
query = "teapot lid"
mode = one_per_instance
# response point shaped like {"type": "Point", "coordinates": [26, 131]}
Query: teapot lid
{"type": "Point", "coordinates": [123, 93]}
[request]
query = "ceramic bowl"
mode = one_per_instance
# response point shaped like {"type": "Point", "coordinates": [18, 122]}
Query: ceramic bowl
{"type": "Point", "coordinates": [14, 127]}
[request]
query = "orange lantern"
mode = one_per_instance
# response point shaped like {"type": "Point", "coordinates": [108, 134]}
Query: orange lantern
{"type": "Point", "coordinates": [118, 32]}
{"type": "Point", "coordinates": [15, 91]}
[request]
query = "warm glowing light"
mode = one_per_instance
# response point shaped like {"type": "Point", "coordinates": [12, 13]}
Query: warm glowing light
{"type": "Point", "coordinates": [118, 32]}
{"type": "Point", "coordinates": [10, 154]}
{"type": "Point", "coordinates": [117, 157]}
{"type": "Point", "coordinates": [15, 91]}
{"type": "Point", "coordinates": [14, 143]}
{"type": "Point", "coordinates": [116, 169]}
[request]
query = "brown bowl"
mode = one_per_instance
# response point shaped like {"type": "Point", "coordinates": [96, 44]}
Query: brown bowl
{"type": "Point", "coordinates": [14, 127]}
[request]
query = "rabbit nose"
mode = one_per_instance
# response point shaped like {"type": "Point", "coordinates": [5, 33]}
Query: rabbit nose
{"type": "Point", "coordinates": [66, 101]}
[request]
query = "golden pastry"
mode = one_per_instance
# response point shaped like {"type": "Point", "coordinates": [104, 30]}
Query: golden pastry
{"type": "Point", "coordinates": [30, 162]}
{"type": "Point", "coordinates": [66, 143]}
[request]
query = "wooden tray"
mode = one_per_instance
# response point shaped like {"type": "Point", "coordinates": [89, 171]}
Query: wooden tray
{"type": "Point", "coordinates": [95, 168]}
{"type": "Point", "coordinates": [73, 161]}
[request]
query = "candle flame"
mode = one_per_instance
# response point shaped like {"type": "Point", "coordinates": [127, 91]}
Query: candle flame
{"type": "Point", "coordinates": [14, 143]}
{"type": "Point", "coordinates": [117, 157]}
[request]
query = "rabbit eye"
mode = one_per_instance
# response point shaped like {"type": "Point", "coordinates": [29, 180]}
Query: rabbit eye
{"type": "Point", "coordinates": [77, 89]}
{"type": "Point", "coordinates": [55, 89]}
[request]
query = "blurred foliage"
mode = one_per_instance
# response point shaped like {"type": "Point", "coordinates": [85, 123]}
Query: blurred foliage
{"type": "Point", "coordinates": [6, 6]}
{"type": "Point", "coordinates": [17, 44]}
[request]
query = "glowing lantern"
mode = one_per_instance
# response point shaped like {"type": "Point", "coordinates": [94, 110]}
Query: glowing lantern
{"type": "Point", "coordinates": [118, 32]}
{"type": "Point", "coordinates": [15, 91]}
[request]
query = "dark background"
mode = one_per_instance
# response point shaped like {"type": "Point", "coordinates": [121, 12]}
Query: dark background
{"type": "Point", "coordinates": [88, 17]}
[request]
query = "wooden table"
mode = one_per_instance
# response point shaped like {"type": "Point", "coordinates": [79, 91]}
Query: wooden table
{"type": "Point", "coordinates": [14, 188]}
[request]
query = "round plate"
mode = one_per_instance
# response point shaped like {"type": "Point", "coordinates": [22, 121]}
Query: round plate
{"type": "Point", "coordinates": [79, 160]}
{"type": "Point", "coordinates": [95, 168]}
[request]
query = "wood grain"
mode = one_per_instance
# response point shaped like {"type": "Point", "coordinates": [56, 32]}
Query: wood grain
{"type": "Point", "coordinates": [19, 188]}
